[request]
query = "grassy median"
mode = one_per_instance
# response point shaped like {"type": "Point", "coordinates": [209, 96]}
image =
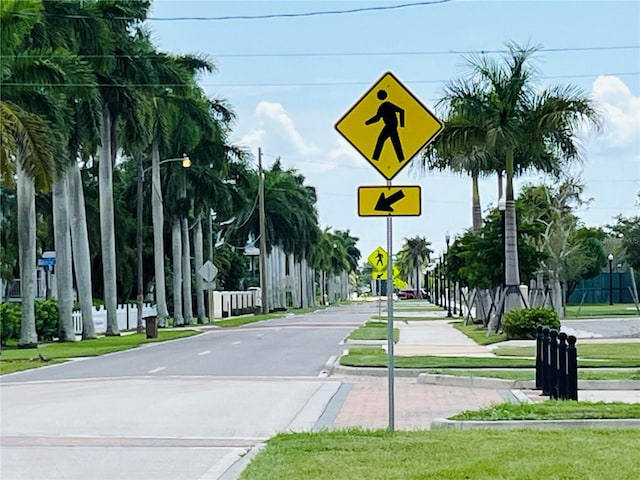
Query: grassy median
{"type": "Point", "coordinates": [449, 455]}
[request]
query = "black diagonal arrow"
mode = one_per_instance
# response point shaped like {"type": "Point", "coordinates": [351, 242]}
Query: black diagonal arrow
{"type": "Point", "coordinates": [385, 204]}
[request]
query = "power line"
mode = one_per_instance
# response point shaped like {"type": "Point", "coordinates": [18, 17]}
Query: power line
{"type": "Point", "coordinates": [300, 84]}
{"type": "Point", "coordinates": [361, 54]}
{"type": "Point", "coordinates": [316, 13]}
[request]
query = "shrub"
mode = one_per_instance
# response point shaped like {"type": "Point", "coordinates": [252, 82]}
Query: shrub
{"type": "Point", "coordinates": [46, 313]}
{"type": "Point", "coordinates": [521, 324]}
{"type": "Point", "coordinates": [9, 322]}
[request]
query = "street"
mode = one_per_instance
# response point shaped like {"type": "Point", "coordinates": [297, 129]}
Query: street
{"type": "Point", "coordinates": [185, 409]}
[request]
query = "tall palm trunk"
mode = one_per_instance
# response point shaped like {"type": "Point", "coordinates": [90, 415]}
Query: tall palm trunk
{"type": "Point", "coordinates": [26, 203]}
{"type": "Point", "coordinates": [476, 210]}
{"type": "Point", "coordinates": [186, 272]}
{"type": "Point", "coordinates": [80, 250]}
{"type": "Point", "coordinates": [512, 271]}
{"type": "Point", "coordinates": [199, 256]}
{"type": "Point", "coordinates": [176, 250]}
{"type": "Point", "coordinates": [483, 299]}
{"type": "Point", "coordinates": [64, 277]}
{"type": "Point", "coordinates": [158, 236]}
{"type": "Point", "coordinates": [107, 234]}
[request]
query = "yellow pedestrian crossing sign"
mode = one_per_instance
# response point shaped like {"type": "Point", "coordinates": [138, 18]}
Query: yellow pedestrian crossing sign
{"type": "Point", "coordinates": [388, 125]}
{"type": "Point", "coordinates": [378, 259]}
{"type": "Point", "coordinates": [396, 200]}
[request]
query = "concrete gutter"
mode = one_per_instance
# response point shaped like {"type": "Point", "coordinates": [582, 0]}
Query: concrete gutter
{"type": "Point", "coordinates": [445, 424]}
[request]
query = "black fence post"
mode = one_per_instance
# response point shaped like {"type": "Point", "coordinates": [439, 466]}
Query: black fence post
{"type": "Point", "coordinates": [572, 368]}
{"type": "Point", "coordinates": [563, 379]}
{"type": "Point", "coordinates": [553, 364]}
{"type": "Point", "coordinates": [545, 361]}
{"type": "Point", "coordinates": [539, 357]}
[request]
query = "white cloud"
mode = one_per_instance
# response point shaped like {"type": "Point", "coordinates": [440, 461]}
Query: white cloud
{"type": "Point", "coordinates": [621, 112]}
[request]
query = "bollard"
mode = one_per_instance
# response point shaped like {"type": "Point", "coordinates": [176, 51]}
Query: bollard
{"type": "Point", "coordinates": [539, 357]}
{"type": "Point", "coordinates": [545, 361]}
{"type": "Point", "coordinates": [553, 364]}
{"type": "Point", "coordinates": [563, 383]}
{"type": "Point", "coordinates": [572, 368]}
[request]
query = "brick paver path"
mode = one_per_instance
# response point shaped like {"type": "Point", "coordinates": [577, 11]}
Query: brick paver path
{"type": "Point", "coordinates": [416, 405]}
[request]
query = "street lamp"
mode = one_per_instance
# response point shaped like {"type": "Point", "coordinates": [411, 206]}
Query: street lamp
{"type": "Point", "coordinates": [610, 258]}
{"type": "Point", "coordinates": [447, 237]}
{"type": "Point", "coordinates": [186, 163]}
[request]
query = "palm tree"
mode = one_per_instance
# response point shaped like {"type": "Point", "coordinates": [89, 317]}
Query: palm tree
{"type": "Point", "coordinates": [523, 128]}
{"type": "Point", "coordinates": [33, 71]}
{"type": "Point", "coordinates": [414, 255]}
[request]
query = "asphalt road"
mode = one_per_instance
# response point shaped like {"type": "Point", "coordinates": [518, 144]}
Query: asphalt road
{"type": "Point", "coordinates": [185, 409]}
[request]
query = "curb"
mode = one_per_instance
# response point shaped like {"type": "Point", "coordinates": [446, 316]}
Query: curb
{"type": "Point", "coordinates": [477, 382]}
{"type": "Point", "coordinates": [444, 424]}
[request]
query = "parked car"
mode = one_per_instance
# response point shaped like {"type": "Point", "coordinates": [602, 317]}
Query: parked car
{"type": "Point", "coordinates": [406, 294]}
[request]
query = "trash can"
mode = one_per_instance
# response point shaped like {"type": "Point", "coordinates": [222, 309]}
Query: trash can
{"type": "Point", "coordinates": [151, 326]}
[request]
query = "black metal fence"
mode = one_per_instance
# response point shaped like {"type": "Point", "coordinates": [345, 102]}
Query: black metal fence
{"type": "Point", "coordinates": [556, 364]}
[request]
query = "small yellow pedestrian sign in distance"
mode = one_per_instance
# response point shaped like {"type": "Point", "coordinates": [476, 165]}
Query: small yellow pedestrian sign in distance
{"type": "Point", "coordinates": [383, 274]}
{"type": "Point", "coordinates": [388, 126]}
{"type": "Point", "coordinates": [378, 259]}
{"type": "Point", "coordinates": [396, 200]}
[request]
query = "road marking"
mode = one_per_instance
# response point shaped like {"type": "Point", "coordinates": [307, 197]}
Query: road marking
{"type": "Point", "coordinates": [206, 352]}
{"type": "Point", "coordinates": [156, 370]}
{"type": "Point", "coordinates": [236, 343]}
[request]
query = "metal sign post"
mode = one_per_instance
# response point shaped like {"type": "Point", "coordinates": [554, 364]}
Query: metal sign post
{"type": "Point", "coordinates": [388, 126]}
{"type": "Point", "coordinates": [390, 324]}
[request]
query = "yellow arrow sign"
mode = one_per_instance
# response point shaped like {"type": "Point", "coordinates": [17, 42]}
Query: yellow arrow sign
{"type": "Point", "coordinates": [378, 259]}
{"type": "Point", "coordinates": [389, 200]}
{"type": "Point", "coordinates": [388, 126]}
{"type": "Point", "coordinates": [382, 274]}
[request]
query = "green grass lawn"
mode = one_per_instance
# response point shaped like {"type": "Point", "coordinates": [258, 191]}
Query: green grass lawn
{"type": "Point", "coordinates": [14, 359]}
{"type": "Point", "coordinates": [478, 334]}
{"type": "Point", "coordinates": [449, 455]}
{"type": "Point", "coordinates": [377, 357]}
{"type": "Point", "coordinates": [601, 310]}
{"type": "Point", "coordinates": [553, 410]}
{"type": "Point", "coordinates": [609, 351]}
{"type": "Point", "coordinates": [373, 331]}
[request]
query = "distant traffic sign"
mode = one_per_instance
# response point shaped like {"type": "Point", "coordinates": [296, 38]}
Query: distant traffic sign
{"type": "Point", "coordinates": [383, 275]}
{"type": "Point", "coordinates": [388, 126]}
{"type": "Point", "coordinates": [378, 259]}
{"type": "Point", "coordinates": [208, 271]}
{"type": "Point", "coordinates": [399, 201]}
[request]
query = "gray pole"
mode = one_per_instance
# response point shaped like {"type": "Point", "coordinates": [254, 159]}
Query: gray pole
{"type": "Point", "coordinates": [263, 237]}
{"type": "Point", "coordinates": [390, 322]}
{"type": "Point", "coordinates": [139, 324]}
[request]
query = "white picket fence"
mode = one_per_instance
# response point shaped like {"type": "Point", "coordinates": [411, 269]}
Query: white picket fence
{"type": "Point", "coordinates": [233, 304]}
{"type": "Point", "coordinates": [127, 317]}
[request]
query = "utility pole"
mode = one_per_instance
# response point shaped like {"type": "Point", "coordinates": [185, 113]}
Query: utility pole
{"type": "Point", "coordinates": [140, 293]}
{"type": "Point", "coordinates": [263, 236]}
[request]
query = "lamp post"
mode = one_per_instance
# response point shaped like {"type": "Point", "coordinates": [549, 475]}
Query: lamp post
{"type": "Point", "coordinates": [443, 292]}
{"type": "Point", "coordinates": [186, 163]}
{"type": "Point", "coordinates": [610, 258]}
{"type": "Point", "coordinates": [446, 239]}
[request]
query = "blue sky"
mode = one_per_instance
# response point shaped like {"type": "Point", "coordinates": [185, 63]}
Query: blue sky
{"type": "Point", "coordinates": [290, 79]}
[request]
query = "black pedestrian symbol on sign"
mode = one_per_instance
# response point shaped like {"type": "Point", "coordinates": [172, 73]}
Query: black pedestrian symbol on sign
{"type": "Point", "coordinates": [388, 113]}
{"type": "Point", "coordinates": [380, 260]}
